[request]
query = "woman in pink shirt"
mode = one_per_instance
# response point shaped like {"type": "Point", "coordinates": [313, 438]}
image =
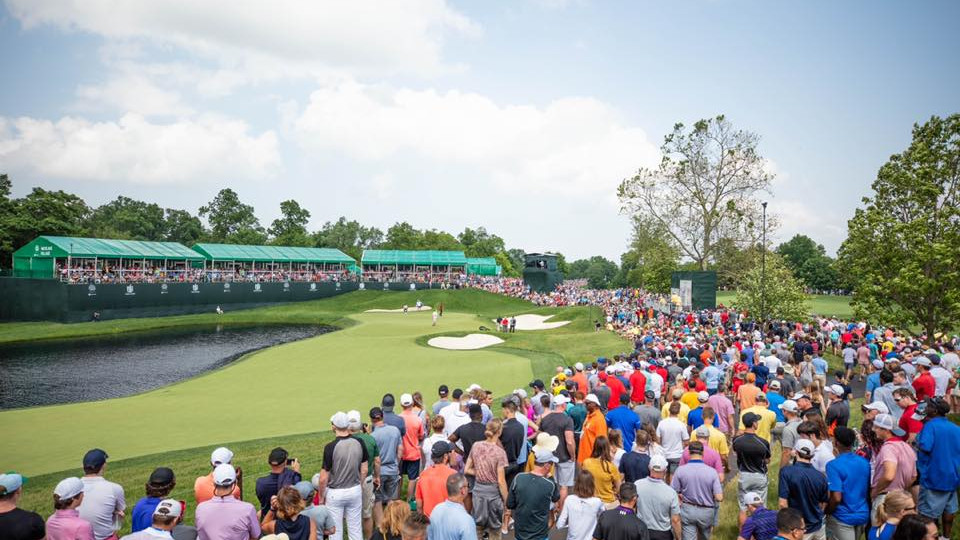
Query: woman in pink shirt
{"type": "Point", "coordinates": [66, 523]}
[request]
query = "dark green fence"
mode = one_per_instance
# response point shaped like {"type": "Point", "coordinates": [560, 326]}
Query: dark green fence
{"type": "Point", "coordinates": [703, 287]}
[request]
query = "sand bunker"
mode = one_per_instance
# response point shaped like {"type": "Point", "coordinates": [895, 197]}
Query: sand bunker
{"type": "Point", "coordinates": [537, 322]}
{"type": "Point", "coordinates": [468, 342]}
{"type": "Point", "coordinates": [411, 309]}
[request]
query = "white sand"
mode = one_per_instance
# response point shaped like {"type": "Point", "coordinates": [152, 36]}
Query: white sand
{"type": "Point", "coordinates": [537, 322]}
{"type": "Point", "coordinates": [411, 309]}
{"type": "Point", "coordinates": [468, 342]}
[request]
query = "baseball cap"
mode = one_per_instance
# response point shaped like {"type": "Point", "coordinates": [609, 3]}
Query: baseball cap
{"type": "Point", "coordinates": [224, 475]}
{"type": "Point", "coordinates": [168, 507]}
{"type": "Point", "coordinates": [443, 391]}
{"type": "Point", "coordinates": [305, 488]}
{"type": "Point", "coordinates": [658, 463]}
{"type": "Point", "coordinates": [750, 419]}
{"type": "Point", "coordinates": [804, 448]}
{"type": "Point", "coordinates": [11, 482]}
{"type": "Point", "coordinates": [544, 456]}
{"type": "Point", "coordinates": [221, 455]}
{"type": "Point", "coordinates": [789, 405]}
{"type": "Point", "coordinates": [356, 422]}
{"type": "Point", "coordinates": [878, 406]}
{"type": "Point", "coordinates": [578, 366]}
{"type": "Point", "coordinates": [835, 389]}
{"type": "Point", "coordinates": [800, 395]}
{"type": "Point", "coordinates": [340, 420]}
{"type": "Point", "coordinates": [68, 488]}
{"type": "Point", "coordinates": [703, 396]}
{"type": "Point", "coordinates": [751, 497]}
{"type": "Point", "coordinates": [703, 431]}
{"type": "Point", "coordinates": [279, 455]}
{"type": "Point", "coordinates": [775, 384]}
{"type": "Point", "coordinates": [884, 421]}
{"type": "Point", "coordinates": [520, 392]}
{"type": "Point", "coordinates": [592, 398]}
{"type": "Point", "coordinates": [677, 393]}
{"type": "Point", "coordinates": [878, 364]}
{"type": "Point", "coordinates": [94, 459]}
{"type": "Point", "coordinates": [922, 361]}
{"type": "Point", "coordinates": [440, 449]}
{"type": "Point", "coordinates": [406, 400]}
{"type": "Point", "coordinates": [161, 476]}
{"type": "Point", "coordinates": [376, 413]}
{"type": "Point", "coordinates": [472, 387]}
{"type": "Point", "coordinates": [649, 394]}
{"type": "Point", "coordinates": [560, 400]}
{"type": "Point", "coordinates": [387, 400]}
{"type": "Point", "coordinates": [920, 412]}
{"type": "Point", "coordinates": [457, 393]}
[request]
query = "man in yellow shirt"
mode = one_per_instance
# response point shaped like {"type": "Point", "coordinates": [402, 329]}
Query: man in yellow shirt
{"type": "Point", "coordinates": [684, 409]}
{"type": "Point", "coordinates": [717, 440]}
{"type": "Point", "coordinates": [689, 398]}
{"type": "Point", "coordinates": [768, 418]}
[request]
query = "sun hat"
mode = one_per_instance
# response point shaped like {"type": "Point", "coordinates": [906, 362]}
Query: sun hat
{"type": "Point", "coordinates": [168, 507]}
{"type": "Point", "coordinates": [592, 398]}
{"type": "Point", "coordinates": [545, 441]}
{"type": "Point", "coordinates": [221, 455]}
{"type": "Point", "coordinates": [224, 475]}
{"type": "Point", "coordinates": [68, 488]}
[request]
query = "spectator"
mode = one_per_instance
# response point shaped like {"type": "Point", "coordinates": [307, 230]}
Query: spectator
{"type": "Point", "coordinates": [320, 515]}
{"type": "Point", "coordinates": [761, 523]}
{"type": "Point", "coordinates": [437, 424]}
{"type": "Point", "coordinates": [223, 517]}
{"type": "Point", "coordinates": [700, 493]}
{"type": "Point", "coordinates": [924, 384]}
{"type": "Point", "coordinates": [513, 437]}
{"type": "Point", "coordinates": [415, 527]}
{"type": "Point", "coordinates": [530, 497]}
{"type": "Point", "coordinates": [790, 525]}
{"type": "Point", "coordinates": [815, 432]}
{"type": "Point", "coordinates": [391, 528]}
{"type": "Point", "coordinates": [455, 414]}
{"type": "Point", "coordinates": [838, 412]}
{"type": "Point", "coordinates": [673, 436]}
{"type": "Point", "coordinates": [103, 501]}
{"type": "Point", "coordinates": [722, 405]}
{"type": "Point", "coordinates": [625, 420]}
{"type": "Point", "coordinates": [895, 464]}
{"type": "Point", "coordinates": [714, 439]}
{"type": "Point", "coordinates": [66, 523]}
{"type": "Point", "coordinates": [916, 527]}
{"type": "Point", "coordinates": [657, 503]}
{"type": "Point", "coordinates": [647, 411]}
{"type": "Point", "coordinates": [358, 430]}
{"type": "Point", "coordinates": [684, 411]}
{"type": "Point", "coordinates": [848, 479]}
{"type": "Point", "coordinates": [558, 424]}
{"type": "Point", "coordinates": [696, 416]}
{"type": "Point", "coordinates": [593, 426]}
{"type": "Point", "coordinates": [284, 516]}
{"type": "Point", "coordinates": [444, 393]}
{"type": "Point", "coordinates": [804, 488]}
{"type": "Point", "coordinates": [431, 488]}
{"type": "Point", "coordinates": [710, 456]}
{"type": "Point", "coordinates": [203, 487]}
{"type": "Point", "coordinates": [16, 523]}
{"type": "Point", "coordinates": [748, 392]}
{"type": "Point", "coordinates": [472, 432]}
{"type": "Point", "coordinates": [280, 477]}
{"type": "Point", "coordinates": [450, 520]}
{"type": "Point", "coordinates": [389, 445]}
{"type": "Point", "coordinates": [165, 518]}
{"type": "Point", "coordinates": [753, 455]}
{"type": "Point", "coordinates": [605, 474]}
{"type": "Point", "coordinates": [621, 523]}
{"type": "Point", "coordinates": [896, 505]}
{"type": "Point", "coordinates": [487, 465]}
{"type": "Point", "coordinates": [345, 464]}
{"type": "Point", "coordinates": [789, 434]}
{"type": "Point", "coordinates": [910, 425]}
{"type": "Point", "coordinates": [580, 511]}
{"type": "Point", "coordinates": [414, 434]}
{"type": "Point", "coordinates": [386, 405]}
{"type": "Point", "coordinates": [159, 485]}
{"type": "Point", "coordinates": [767, 419]}
{"type": "Point", "coordinates": [938, 464]}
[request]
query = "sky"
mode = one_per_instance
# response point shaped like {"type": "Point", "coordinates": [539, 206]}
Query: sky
{"type": "Point", "coordinates": [521, 116]}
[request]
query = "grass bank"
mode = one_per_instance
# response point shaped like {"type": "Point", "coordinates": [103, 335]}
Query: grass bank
{"type": "Point", "coordinates": [820, 304]}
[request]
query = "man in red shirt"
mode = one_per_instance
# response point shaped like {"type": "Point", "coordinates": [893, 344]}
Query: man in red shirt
{"type": "Point", "coordinates": [431, 488]}
{"type": "Point", "coordinates": [412, 437]}
{"type": "Point", "coordinates": [617, 388]}
{"type": "Point", "coordinates": [638, 385]}
{"type": "Point", "coordinates": [924, 384]}
{"type": "Point", "coordinates": [904, 398]}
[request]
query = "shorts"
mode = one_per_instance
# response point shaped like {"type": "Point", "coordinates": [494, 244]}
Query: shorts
{"type": "Point", "coordinates": [410, 469]}
{"type": "Point", "coordinates": [563, 473]}
{"type": "Point", "coordinates": [934, 503]}
{"type": "Point", "coordinates": [819, 534]}
{"type": "Point", "coordinates": [389, 488]}
{"type": "Point", "coordinates": [751, 481]}
{"type": "Point", "coordinates": [672, 465]}
{"type": "Point", "coordinates": [367, 493]}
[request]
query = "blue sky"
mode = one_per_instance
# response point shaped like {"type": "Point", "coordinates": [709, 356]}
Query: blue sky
{"type": "Point", "coordinates": [522, 116]}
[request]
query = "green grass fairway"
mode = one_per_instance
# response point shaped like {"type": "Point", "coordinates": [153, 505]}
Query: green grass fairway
{"type": "Point", "coordinates": [820, 304]}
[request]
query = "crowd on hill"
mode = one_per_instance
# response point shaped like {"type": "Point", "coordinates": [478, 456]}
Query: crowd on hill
{"type": "Point", "coordinates": [638, 446]}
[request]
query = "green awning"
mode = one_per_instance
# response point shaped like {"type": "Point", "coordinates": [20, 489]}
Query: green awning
{"type": "Point", "coordinates": [483, 266]}
{"type": "Point", "coordinates": [242, 253]}
{"type": "Point", "coordinates": [413, 258]}
{"type": "Point", "coordinates": [67, 246]}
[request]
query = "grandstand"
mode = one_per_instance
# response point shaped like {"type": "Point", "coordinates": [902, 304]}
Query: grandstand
{"type": "Point", "coordinates": [483, 266]}
{"type": "Point", "coordinates": [234, 262]}
{"type": "Point", "coordinates": [413, 266]}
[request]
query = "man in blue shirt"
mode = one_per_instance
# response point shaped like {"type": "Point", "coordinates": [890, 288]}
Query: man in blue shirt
{"type": "Point", "coordinates": [449, 520]}
{"type": "Point", "coordinates": [762, 523]}
{"type": "Point", "coordinates": [711, 376]}
{"type": "Point", "coordinates": [775, 399]}
{"type": "Point", "coordinates": [624, 419]}
{"type": "Point", "coordinates": [804, 488]}
{"type": "Point", "coordinates": [695, 416]}
{"type": "Point", "coordinates": [848, 479]}
{"type": "Point", "coordinates": [938, 463]}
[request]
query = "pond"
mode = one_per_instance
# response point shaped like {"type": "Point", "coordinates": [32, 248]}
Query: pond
{"type": "Point", "coordinates": [67, 371]}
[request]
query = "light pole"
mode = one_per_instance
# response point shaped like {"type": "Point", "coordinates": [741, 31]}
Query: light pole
{"type": "Point", "coordinates": [763, 267]}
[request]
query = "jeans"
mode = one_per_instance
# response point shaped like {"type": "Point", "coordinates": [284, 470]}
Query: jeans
{"type": "Point", "coordinates": [346, 503]}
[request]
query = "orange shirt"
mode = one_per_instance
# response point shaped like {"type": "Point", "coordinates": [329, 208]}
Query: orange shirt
{"type": "Point", "coordinates": [594, 426]}
{"type": "Point", "coordinates": [432, 486]}
{"type": "Point", "coordinates": [581, 379]}
{"type": "Point", "coordinates": [747, 395]}
{"type": "Point", "coordinates": [412, 436]}
{"type": "Point", "coordinates": [203, 489]}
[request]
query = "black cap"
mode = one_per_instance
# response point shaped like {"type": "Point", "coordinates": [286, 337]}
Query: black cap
{"type": "Point", "coordinates": [750, 419]}
{"type": "Point", "coordinates": [387, 401]}
{"type": "Point", "coordinates": [440, 449]}
{"type": "Point", "coordinates": [376, 413]}
{"type": "Point", "coordinates": [94, 459]}
{"type": "Point", "coordinates": [277, 456]}
{"type": "Point", "coordinates": [161, 476]}
{"type": "Point", "coordinates": [444, 390]}
{"type": "Point", "coordinates": [649, 394]}
{"type": "Point", "coordinates": [537, 383]}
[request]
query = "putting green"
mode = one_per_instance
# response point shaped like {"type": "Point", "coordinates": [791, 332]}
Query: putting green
{"type": "Point", "coordinates": [284, 390]}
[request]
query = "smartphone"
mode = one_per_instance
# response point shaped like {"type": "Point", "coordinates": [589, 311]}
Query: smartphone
{"type": "Point", "coordinates": [291, 460]}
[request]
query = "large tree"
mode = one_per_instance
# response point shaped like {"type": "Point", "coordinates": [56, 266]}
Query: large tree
{"type": "Point", "coordinates": [479, 243]}
{"type": "Point", "coordinates": [705, 188]}
{"type": "Point", "coordinates": [652, 258]}
{"type": "Point", "coordinates": [598, 271]}
{"type": "Point", "coordinates": [348, 236]}
{"type": "Point", "coordinates": [290, 229]}
{"type": "Point", "coordinates": [903, 247]}
{"type": "Point", "coordinates": [232, 221]}
{"type": "Point", "coordinates": [42, 212]}
{"type": "Point", "coordinates": [181, 226]}
{"type": "Point", "coordinates": [7, 218]}
{"type": "Point", "coordinates": [773, 292]}
{"type": "Point", "coordinates": [403, 236]}
{"type": "Point", "coordinates": [127, 218]}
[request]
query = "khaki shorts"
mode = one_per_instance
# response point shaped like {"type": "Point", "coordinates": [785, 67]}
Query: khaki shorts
{"type": "Point", "coordinates": [367, 493]}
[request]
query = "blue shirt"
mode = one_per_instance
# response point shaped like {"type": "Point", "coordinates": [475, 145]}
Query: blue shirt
{"type": "Point", "coordinates": [627, 421]}
{"type": "Point", "coordinates": [761, 525]}
{"type": "Point", "coordinates": [849, 474]}
{"type": "Point", "coordinates": [804, 488]}
{"type": "Point", "coordinates": [142, 516]}
{"type": "Point", "coordinates": [762, 373]}
{"type": "Point", "coordinates": [938, 455]}
{"type": "Point", "coordinates": [695, 419]}
{"type": "Point", "coordinates": [748, 355]}
{"type": "Point", "coordinates": [873, 382]}
{"type": "Point", "coordinates": [819, 365]}
{"type": "Point", "coordinates": [711, 376]}
{"type": "Point", "coordinates": [450, 521]}
{"type": "Point", "coordinates": [525, 422]}
{"type": "Point", "coordinates": [775, 400]}
{"type": "Point", "coordinates": [885, 534]}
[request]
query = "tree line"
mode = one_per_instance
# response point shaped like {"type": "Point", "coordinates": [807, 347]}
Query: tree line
{"type": "Point", "coordinates": [225, 219]}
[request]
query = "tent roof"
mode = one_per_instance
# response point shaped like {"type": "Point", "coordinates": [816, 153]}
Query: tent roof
{"type": "Point", "coordinates": [433, 258]}
{"type": "Point", "coordinates": [63, 246]}
{"type": "Point", "coordinates": [481, 261]}
{"type": "Point", "coordinates": [243, 253]}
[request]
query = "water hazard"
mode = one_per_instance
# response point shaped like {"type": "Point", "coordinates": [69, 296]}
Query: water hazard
{"type": "Point", "coordinates": [67, 371]}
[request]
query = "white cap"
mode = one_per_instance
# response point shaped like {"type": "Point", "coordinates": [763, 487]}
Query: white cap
{"type": "Point", "coordinates": [789, 405]}
{"type": "Point", "coordinates": [751, 497]}
{"type": "Point", "coordinates": [835, 389]}
{"type": "Point", "coordinates": [878, 364]}
{"type": "Point", "coordinates": [610, 370]}
{"type": "Point", "coordinates": [703, 431]}
{"type": "Point", "coordinates": [224, 475]}
{"type": "Point", "coordinates": [560, 400]}
{"type": "Point", "coordinates": [775, 384]}
{"type": "Point", "coordinates": [878, 406]}
{"type": "Point", "coordinates": [578, 366]}
{"type": "Point", "coordinates": [543, 455]}
{"type": "Point", "coordinates": [804, 448]}
{"type": "Point", "coordinates": [221, 455]}
{"type": "Point", "coordinates": [68, 488]}
{"type": "Point", "coordinates": [658, 463]}
{"type": "Point", "coordinates": [406, 400]}
{"type": "Point", "coordinates": [884, 421]}
{"type": "Point", "coordinates": [703, 396]}
{"type": "Point", "coordinates": [592, 398]}
{"type": "Point", "coordinates": [922, 361]}
{"type": "Point", "coordinates": [340, 420]}
{"type": "Point", "coordinates": [356, 421]}
{"type": "Point", "coordinates": [520, 392]}
{"type": "Point", "coordinates": [168, 507]}
{"type": "Point", "coordinates": [470, 388]}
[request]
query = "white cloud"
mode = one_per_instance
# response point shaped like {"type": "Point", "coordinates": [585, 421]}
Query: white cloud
{"type": "Point", "coordinates": [134, 150]}
{"type": "Point", "coordinates": [132, 93]}
{"type": "Point", "coordinates": [383, 185]}
{"type": "Point", "coordinates": [282, 38]}
{"type": "Point", "coordinates": [571, 146]}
